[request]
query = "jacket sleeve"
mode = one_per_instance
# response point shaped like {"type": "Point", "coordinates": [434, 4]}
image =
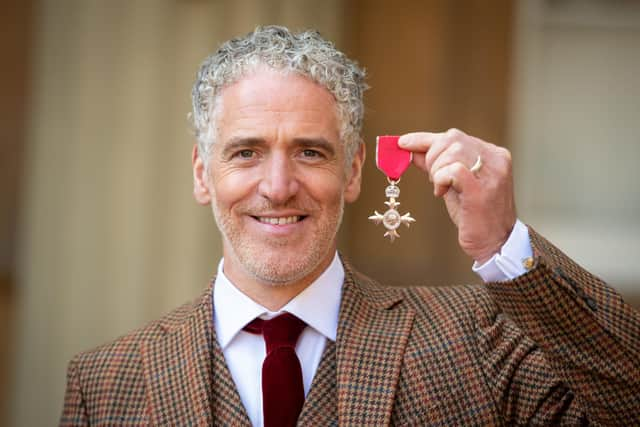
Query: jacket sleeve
{"type": "Point", "coordinates": [74, 410]}
{"type": "Point", "coordinates": [583, 361]}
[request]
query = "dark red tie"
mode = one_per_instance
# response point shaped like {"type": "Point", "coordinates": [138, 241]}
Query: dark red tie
{"type": "Point", "coordinates": [282, 389]}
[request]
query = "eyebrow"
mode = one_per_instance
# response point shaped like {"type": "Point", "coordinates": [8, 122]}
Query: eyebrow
{"type": "Point", "coordinates": [316, 143]}
{"type": "Point", "coordinates": [241, 142]}
{"type": "Point", "coordinates": [244, 142]}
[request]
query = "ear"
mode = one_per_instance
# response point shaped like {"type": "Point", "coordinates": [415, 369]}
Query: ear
{"type": "Point", "coordinates": [200, 179]}
{"type": "Point", "coordinates": [352, 190]}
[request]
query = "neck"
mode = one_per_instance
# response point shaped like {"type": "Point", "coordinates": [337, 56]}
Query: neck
{"type": "Point", "coordinates": [272, 296]}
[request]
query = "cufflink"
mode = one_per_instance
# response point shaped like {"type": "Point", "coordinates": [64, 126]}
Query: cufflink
{"type": "Point", "coordinates": [528, 263]}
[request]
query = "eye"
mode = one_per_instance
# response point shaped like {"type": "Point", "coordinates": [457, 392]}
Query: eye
{"type": "Point", "coordinates": [311, 153]}
{"type": "Point", "coordinates": [246, 154]}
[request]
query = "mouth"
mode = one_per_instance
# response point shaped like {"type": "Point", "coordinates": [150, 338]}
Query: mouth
{"type": "Point", "coordinates": [280, 220]}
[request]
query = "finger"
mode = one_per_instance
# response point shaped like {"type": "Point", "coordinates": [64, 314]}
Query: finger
{"type": "Point", "coordinates": [420, 162]}
{"type": "Point", "coordinates": [444, 140]}
{"type": "Point", "coordinates": [455, 175]}
{"type": "Point", "coordinates": [417, 141]}
{"type": "Point", "coordinates": [455, 152]}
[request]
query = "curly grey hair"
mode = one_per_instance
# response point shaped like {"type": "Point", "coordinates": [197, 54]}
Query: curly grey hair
{"type": "Point", "coordinates": [305, 53]}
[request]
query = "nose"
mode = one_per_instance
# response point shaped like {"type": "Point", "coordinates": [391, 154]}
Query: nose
{"type": "Point", "coordinates": [278, 182]}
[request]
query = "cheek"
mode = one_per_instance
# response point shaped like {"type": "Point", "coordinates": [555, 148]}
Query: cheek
{"type": "Point", "coordinates": [232, 187]}
{"type": "Point", "coordinates": [326, 189]}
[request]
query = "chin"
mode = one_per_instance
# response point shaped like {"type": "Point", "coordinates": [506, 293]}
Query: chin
{"type": "Point", "coordinates": [280, 261]}
{"type": "Point", "coordinates": [278, 269]}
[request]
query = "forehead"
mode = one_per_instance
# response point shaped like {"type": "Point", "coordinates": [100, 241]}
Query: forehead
{"type": "Point", "coordinates": [278, 103]}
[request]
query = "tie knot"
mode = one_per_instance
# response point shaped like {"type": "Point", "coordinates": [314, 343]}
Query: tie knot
{"type": "Point", "coordinates": [281, 331]}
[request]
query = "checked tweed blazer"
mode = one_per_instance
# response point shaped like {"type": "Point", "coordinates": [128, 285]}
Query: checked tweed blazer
{"type": "Point", "coordinates": [555, 346]}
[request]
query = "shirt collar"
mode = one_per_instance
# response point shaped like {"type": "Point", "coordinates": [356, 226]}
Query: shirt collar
{"type": "Point", "coordinates": [318, 305]}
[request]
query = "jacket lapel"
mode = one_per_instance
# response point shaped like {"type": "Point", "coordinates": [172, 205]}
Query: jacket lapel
{"type": "Point", "coordinates": [320, 406]}
{"type": "Point", "coordinates": [373, 331]}
{"type": "Point", "coordinates": [188, 382]}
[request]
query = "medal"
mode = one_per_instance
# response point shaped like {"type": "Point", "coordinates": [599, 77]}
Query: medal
{"type": "Point", "coordinates": [392, 161]}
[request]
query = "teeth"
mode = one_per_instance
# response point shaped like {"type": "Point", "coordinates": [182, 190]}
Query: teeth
{"type": "Point", "coordinates": [280, 220]}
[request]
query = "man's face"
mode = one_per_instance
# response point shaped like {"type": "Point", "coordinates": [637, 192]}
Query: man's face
{"type": "Point", "coordinates": [277, 181]}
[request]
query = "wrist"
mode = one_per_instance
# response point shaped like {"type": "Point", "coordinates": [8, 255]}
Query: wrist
{"type": "Point", "coordinates": [483, 259]}
{"type": "Point", "coordinates": [510, 261]}
{"type": "Point", "coordinates": [494, 248]}
{"type": "Point", "coordinates": [486, 256]}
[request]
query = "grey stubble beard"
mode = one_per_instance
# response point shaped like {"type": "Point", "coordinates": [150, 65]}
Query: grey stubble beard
{"type": "Point", "coordinates": [267, 268]}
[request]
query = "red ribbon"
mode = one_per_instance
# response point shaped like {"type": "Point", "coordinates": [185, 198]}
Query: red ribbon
{"type": "Point", "coordinates": [391, 159]}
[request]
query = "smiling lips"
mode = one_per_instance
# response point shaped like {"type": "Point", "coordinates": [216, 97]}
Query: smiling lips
{"type": "Point", "coordinates": [283, 220]}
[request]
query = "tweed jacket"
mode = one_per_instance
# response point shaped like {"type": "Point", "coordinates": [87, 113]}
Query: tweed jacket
{"type": "Point", "coordinates": [554, 346]}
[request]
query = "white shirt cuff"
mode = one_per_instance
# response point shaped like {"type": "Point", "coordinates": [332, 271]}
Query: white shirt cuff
{"type": "Point", "coordinates": [508, 264]}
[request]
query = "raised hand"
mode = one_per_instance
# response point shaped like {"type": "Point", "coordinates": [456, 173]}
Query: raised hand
{"type": "Point", "coordinates": [480, 202]}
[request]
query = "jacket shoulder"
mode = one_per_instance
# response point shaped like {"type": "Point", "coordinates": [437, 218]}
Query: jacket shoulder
{"type": "Point", "coordinates": [124, 350]}
{"type": "Point", "coordinates": [461, 303]}
{"type": "Point", "coordinates": [456, 298]}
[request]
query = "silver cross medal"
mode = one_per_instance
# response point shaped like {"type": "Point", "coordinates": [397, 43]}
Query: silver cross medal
{"type": "Point", "coordinates": [392, 219]}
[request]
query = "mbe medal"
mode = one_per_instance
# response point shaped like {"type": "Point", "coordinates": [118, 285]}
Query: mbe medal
{"type": "Point", "coordinates": [392, 161]}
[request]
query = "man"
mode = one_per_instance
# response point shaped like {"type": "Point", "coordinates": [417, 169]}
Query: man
{"type": "Point", "coordinates": [278, 118]}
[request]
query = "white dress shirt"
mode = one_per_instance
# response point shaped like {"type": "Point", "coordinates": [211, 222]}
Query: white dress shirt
{"type": "Point", "coordinates": [318, 305]}
{"type": "Point", "coordinates": [510, 262]}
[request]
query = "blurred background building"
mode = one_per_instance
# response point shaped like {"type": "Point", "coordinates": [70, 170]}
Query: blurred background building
{"type": "Point", "coordinates": [98, 230]}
